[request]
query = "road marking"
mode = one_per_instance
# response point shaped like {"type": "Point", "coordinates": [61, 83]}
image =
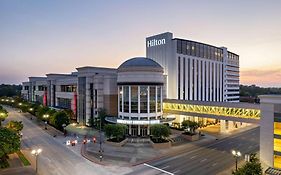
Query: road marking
{"type": "Point", "coordinates": [250, 147]}
{"type": "Point", "coordinates": [165, 167]}
{"type": "Point", "coordinates": [223, 151]}
{"type": "Point", "coordinates": [158, 169]}
{"type": "Point", "coordinates": [193, 157]}
{"type": "Point", "coordinates": [214, 164]}
{"type": "Point", "coordinates": [203, 160]}
{"type": "Point", "coordinates": [177, 171]}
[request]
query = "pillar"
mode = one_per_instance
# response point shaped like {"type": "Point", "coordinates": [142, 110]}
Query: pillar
{"type": "Point", "coordinates": [223, 128]}
{"type": "Point", "coordinates": [138, 130]}
{"type": "Point", "coordinates": [130, 129]}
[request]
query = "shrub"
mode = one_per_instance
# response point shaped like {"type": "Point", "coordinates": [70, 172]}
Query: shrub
{"type": "Point", "coordinates": [58, 119]}
{"type": "Point", "coordinates": [160, 132]}
{"type": "Point", "coordinates": [115, 132]}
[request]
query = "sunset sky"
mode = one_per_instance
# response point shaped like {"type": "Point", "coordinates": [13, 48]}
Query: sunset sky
{"type": "Point", "coordinates": [56, 36]}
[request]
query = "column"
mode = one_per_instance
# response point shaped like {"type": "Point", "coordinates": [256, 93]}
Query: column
{"type": "Point", "coordinates": [190, 80]}
{"type": "Point", "coordinates": [207, 80]}
{"type": "Point", "coordinates": [199, 71]}
{"type": "Point", "coordinates": [218, 81]}
{"type": "Point", "coordinates": [203, 80]}
{"type": "Point", "coordinates": [138, 130]}
{"type": "Point", "coordinates": [181, 79]}
{"type": "Point", "coordinates": [195, 80]}
{"type": "Point", "coordinates": [223, 128]}
{"type": "Point", "coordinates": [130, 129]}
{"type": "Point", "coordinates": [186, 79]}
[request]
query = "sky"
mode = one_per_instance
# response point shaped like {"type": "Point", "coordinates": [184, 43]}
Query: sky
{"type": "Point", "coordinates": [57, 36]}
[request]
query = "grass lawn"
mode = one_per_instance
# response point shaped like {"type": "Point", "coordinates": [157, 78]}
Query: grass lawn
{"type": "Point", "coordinates": [23, 159]}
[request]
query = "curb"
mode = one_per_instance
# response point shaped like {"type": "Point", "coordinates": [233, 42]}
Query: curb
{"type": "Point", "coordinates": [83, 148]}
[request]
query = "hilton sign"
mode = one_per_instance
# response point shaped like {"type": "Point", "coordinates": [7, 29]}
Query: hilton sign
{"type": "Point", "coordinates": [155, 42]}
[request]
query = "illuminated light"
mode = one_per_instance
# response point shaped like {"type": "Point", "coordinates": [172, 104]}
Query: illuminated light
{"type": "Point", "coordinates": [45, 116]}
{"type": "Point", "coordinates": [20, 104]}
{"type": "Point", "coordinates": [213, 110]}
{"type": "Point", "coordinates": [36, 152]}
{"type": "Point", "coordinates": [138, 122]}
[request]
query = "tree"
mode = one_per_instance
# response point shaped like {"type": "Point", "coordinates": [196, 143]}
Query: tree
{"type": "Point", "coordinates": [16, 126]}
{"type": "Point", "coordinates": [100, 120]}
{"type": "Point", "coordinates": [3, 114]}
{"type": "Point", "coordinates": [115, 131]}
{"type": "Point", "coordinates": [91, 122]}
{"type": "Point", "coordinates": [253, 167]}
{"type": "Point", "coordinates": [58, 119]}
{"type": "Point", "coordinates": [43, 110]}
{"type": "Point", "coordinates": [9, 90]}
{"type": "Point", "coordinates": [160, 132]}
{"type": "Point", "coordinates": [9, 143]}
{"type": "Point", "coordinates": [191, 125]}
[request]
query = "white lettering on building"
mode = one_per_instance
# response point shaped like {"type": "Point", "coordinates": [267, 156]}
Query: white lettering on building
{"type": "Point", "coordinates": [155, 42]}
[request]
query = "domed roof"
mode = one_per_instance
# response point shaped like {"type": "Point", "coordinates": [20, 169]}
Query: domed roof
{"type": "Point", "coordinates": [140, 62]}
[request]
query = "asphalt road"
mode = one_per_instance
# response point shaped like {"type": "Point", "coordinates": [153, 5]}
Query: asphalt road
{"type": "Point", "coordinates": [208, 160]}
{"type": "Point", "coordinates": [56, 158]}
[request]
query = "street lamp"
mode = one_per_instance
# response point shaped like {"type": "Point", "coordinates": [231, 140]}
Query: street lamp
{"type": "Point", "coordinates": [36, 153]}
{"type": "Point", "coordinates": [45, 116]}
{"type": "Point", "coordinates": [236, 154]}
{"type": "Point", "coordinates": [100, 142]}
{"type": "Point", "coordinates": [64, 125]}
{"type": "Point", "coordinates": [20, 104]}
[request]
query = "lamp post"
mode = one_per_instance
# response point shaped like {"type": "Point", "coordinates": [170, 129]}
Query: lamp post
{"type": "Point", "coordinates": [64, 125]}
{"type": "Point", "coordinates": [46, 116]}
{"type": "Point", "coordinates": [236, 154]}
{"type": "Point", "coordinates": [100, 142]}
{"type": "Point", "coordinates": [36, 152]}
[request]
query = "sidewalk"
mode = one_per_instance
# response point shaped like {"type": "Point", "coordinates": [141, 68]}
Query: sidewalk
{"type": "Point", "coordinates": [132, 154]}
{"type": "Point", "coordinates": [50, 129]}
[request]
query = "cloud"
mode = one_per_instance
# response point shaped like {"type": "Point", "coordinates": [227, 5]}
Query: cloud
{"type": "Point", "coordinates": [262, 77]}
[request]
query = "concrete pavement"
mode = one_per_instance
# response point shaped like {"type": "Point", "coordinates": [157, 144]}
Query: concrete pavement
{"type": "Point", "coordinates": [211, 159]}
{"type": "Point", "coordinates": [57, 158]}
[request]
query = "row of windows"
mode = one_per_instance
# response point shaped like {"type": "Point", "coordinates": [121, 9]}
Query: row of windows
{"type": "Point", "coordinates": [142, 96]}
{"type": "Point", "coordinates": [232, 56]}
{"type": "Point", "coordinates": [68, 88]}
{"type": "Point", "coordinates": [64, 103]}
{"type": "Point", "coordinates": [186, 47]}
{"type": "Point", "coordinates": [199, 77]}
{"type": "Point", "coordinates": [42, 88]}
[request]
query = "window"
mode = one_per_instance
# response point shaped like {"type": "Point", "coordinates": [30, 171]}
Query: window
{"type": "Point", "coordinates": [152, 98]}
{"type": "Point", "coordinates": [184, 48]}
{"type": "Point", "coordinates": [179, 77]}
{"type": "Point", "coordinates": [179, 48]}
{"type": "Point", "coordinates": [134, 99]}
{"type": "Point", "coordinates": [159, 92]}
{"type": "Point", "coordinates": [143, 99]}
{"type": "Point", "coordinates": [126, 98]}
{"type": "Point", "coordinates": [120, 98]}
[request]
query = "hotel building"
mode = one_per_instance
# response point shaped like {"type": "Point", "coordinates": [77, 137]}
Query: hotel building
{"type": "Point", "coordinates": [194, 70]}
{"type": "Point", "coordinates": [133, 93]}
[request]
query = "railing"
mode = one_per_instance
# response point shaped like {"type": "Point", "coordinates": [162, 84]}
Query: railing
{"type": "Point", "coordinates": [213, 110]}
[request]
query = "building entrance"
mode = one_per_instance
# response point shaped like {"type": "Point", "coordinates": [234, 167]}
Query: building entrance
{"type": "Point", "coordinates": [134, 130]}
{"type": "Point", "coordinates": [143, 131]}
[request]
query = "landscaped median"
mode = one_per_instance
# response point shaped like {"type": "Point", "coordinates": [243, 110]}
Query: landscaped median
{"type": "Point", "coordinates": [24, 161]}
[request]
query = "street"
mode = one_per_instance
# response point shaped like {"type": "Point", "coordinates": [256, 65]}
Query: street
{"type": "Point", "coordinates": [211, 159]}
{"type": "Point", "coordinates": [56, 158]}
